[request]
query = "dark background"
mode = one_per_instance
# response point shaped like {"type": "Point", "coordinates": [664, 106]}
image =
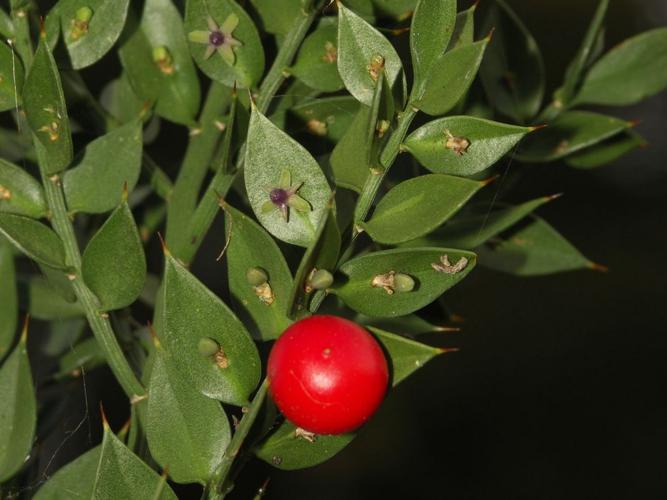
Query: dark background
{"type": "Point", "coordinates": [559, 388]}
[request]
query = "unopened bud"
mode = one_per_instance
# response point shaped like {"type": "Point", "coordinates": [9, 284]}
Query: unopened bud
{"type": "Point", "coordinates": [403, 283]}
{"type": "Point", "coordinates": [256, 276]}
{"type": "Point", "coordinates": [321, 280]}
{"type": "Point", "coordinates": [207, 347]}
{"type": "Point", "coordinates": [83, 14]}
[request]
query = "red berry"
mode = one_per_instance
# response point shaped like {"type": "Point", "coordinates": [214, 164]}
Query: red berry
{"type": "Point", "coordinates": [327, 375]}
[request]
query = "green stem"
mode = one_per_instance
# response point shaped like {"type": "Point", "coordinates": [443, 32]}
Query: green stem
{"type": "Point", "coordinates": [217, 483]}
{"type": "Point", "coordinates": [23, 43]}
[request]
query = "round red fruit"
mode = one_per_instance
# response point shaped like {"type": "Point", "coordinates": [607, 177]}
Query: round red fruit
{"type": "Point", "coordinates": [327, 375]}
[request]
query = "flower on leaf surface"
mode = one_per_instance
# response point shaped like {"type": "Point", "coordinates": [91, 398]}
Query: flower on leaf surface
{"type": "Point", "coordinates": [218, 38]}
{"type": "Point", "coordinates": [283, 197]}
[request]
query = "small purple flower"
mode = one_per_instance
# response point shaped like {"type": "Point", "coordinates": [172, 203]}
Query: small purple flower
{"type": "Point", "coordinates": [218, 38]}
{"type": "Point", "coordinates": [283, 197]}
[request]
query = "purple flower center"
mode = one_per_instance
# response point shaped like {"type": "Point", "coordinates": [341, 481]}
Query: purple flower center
{"type": "Point", "coordinates": [278, 196]}
{"type": "Point", "coordinates": [216, 38]}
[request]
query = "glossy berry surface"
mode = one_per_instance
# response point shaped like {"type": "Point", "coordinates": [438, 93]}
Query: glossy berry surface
{"type": "Point", "coordinates": [327, 375]}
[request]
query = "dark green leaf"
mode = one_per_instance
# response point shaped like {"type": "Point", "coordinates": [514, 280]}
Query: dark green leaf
{"type": "Point", "coordinates": [250, 246]}
{"type": "Point", "coordinates": [329, 117]}
{"type": "Point", "coordinates": [464, 30]}
{"type": "Point", "coordinates": [316, 62]}
{"type": "Point", "coordinates": [18, 412]}
{"type": "Point", "coordinates": [470, 231]}
{"type": "Point", "coordinates": [410, 324]}
{"type": "Point", "coordinates": [187, 432]}
{"type": "Point", "coordinates": [86, 355]}
{"type": "Point", "coordinates": [430, 199]}
{"type": "Point", "coordinates": [450, 78]}
{"type": "Point", "coordinates": [43, 301]}
{"type": "Point", "coordinates": [11, 78]}
{"type": "Point", "coordinates": [607, 151]}
{"type": "Point", "coordinates": [358, 293]}
{"type": "Point", "coordinates": [75, 480]}
{"type": "Point", "coordinates": [17, 146]}
{"type": "Point", "coordinates": [358, 44]}
{"type": "Point", "coordinates": [632, 71]}
{"type": "Point", "coordinates": [398, 9]}
{"type": "Point", "coordinates": [6, 25]}
{"type": "Point", "coordinates": [192, 312]}
{"type": "Point", "coordinates": [512, 71]}
{"type": "Point", "coordinates": [171, 82]}
{"type": "Point", "coordinates": [570, 132]}
{"type": "Point", "coordinates": [435, 146]}
{"type": "Point", "coordinates": [34, 239]}
{"type": "Point", "coordinates": [9, 306]}
{"type": "Point", "coordinates": [432, 27]}
{"type": "Point", "coordinates": [534, 250]}
{"type": "Point", "coordinates": [44, 106]}
{"type": "Point", "coordinates": [96, 183]}
{"type": "Point", "coordinates": [113, 264]}
{"type": "Point", "coordinates": [20, 193]}
{"type": "Point", "coordinates": [278, 16]}
{"type": "Point", "coordinates": [406, 355]}
{"type": "Point", "coordinates": [269, 153]}
{"type": "Point", "coordinates": [122, 474]}
{"type": "Point", "coordinates": [249, 58]}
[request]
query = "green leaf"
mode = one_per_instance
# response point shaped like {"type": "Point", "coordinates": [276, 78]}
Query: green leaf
{"type": "Point", "coordinates": [20, 193]}
{"type": "Point", "coordinates": [9, 306]}
{"type": "Point", "coordinates": [11, 78]}
{"type": "Point", "coordinates": [534, 250]}
{"type": "Point", "coordinates": [607, 151]}
{"type": "Point", "coordinates": [398, 9]}
{"type": "Point", "coordinates": [18, 413]}
{"type": "Point", "coordinates": [316, 61]}
{"type": "Point", "coordinates": [358, 293]}
{"type": "Point", "coordinates": [470, 231]}
{"type": "Point", "coordinates": [171, 81]}
{"type": "Point", "coordinates": [6, 25]}
{"type": "Point", "coordinates": [86, 355]}
{"type": "Point", "coordinates": [269, 153]}
{"type": "Point", "coordinates": [406, 355]}
{"type": "Point", "coordinates": [512, 72]}
{"type": "Point", "coordinates": [122, 474]}
{"type": "Point", "coordinates": [250, 246]}
{"type": "Point", "coordinates": [277, 17]}
{"type": "Point", "coordinates": [430, 199]}
{"type": "Point", "coordinates": [114, 264]}
{"type": "Point", "coordinates": [96, 183]}
{"type": "Point", "coordinates": [249, 57]}
{"type": "Point", "coordinates": [192, 312]}
{"type": "Point", "coordinates": [187, 432]}
{"type": "Point", "coordinates": [570, 132]}
{"type": "Point", "coordinates": [43, 302]}
{"type": "Point", "coordinates": [44, 106]}
{"type": "Point", "coordinates": [16, 146]}
{"type": "Point", "coordinates": [284, 450]}
{"type": "Point", "coordinates": [409, 325]}
{"type": "Point", "coordinates": [488, 142]}
{"type": "Point", "coordinates": [121, 100]}
{"type": "Point", "coordinates": [358, 44]}
{"type": "Point", "coordinates": [450, 78]}
{"type": "Point", "coordinates": [630, 72]}
{"type": "Point", "coordinates": [73, 481]}
{"type": "Point", "coordinates": [329, 117]}
{"type": "Point", "coordinates": [432, 27]}
{"type": "Point", "coordinates": [464, 29]}
{"type": "Point", "coordinates": [34, 239]}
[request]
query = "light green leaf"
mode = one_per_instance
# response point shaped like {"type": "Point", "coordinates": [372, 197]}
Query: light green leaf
{"type": "Point", "coordinates": [359, 294]}
{"type": "Point", "coordinates": [16, 146]}
{"type": "Point", "coordinates": [113, 264]}
{"type": "Point", "coordinates": [75, 480]}
{"type": "Point", "coordinates": [512, 72]}
{"type": "Point", "coordinates": [570, 132]}
{"type": "Point", "coordinates": [122, 474]}
{"type": "Point", "coordinates": [171, 82]}
{"type": "Point", "coordinates": [187, 432]}
{"type": "Point", "coordinates": [9, 306]}
{"type": "Point", "coordinates": [192, 312]}
{"type": "Point", "coordinates": [11, 78]}
{"type": "Point", "coordinates": [316, 61]}
{"type": "Point", "coordinates": [632, 71]}
{"type": "Point", "coordinates": [45, 303]}
{"type": "Point", "coordinates": [269, 153]}
{"type": "Point", "coordinates": [34, 239]}
{"type": "Point", "coordinates": [450, 78]}
{"type": "Point", "coordinates": [277, 17]}
{"type": "Point", "coordinates": [44, 105]}
{"type": "Point", "coordinates": [86, 355]}
{"type": "Point", "coordinates": [250, 246]}
{"type": "Point", "coordinates": [432, 27]}
{"type": "Point", "coordinates": [121, 100]}
{"type": "Point", "coordinates": [328, 117]}
{"type": "Point", "coordinates": [534, 250]}
{"type": "Point", "coordinates": [95, 184]}
{"type": "Point", "coordinates": [6, 25]}
{"type": "Point", "coordinates": [464, 30]}
{"type": "Point", "coordinates": [607, 151]}
{"type": "Point", "coordinates": [358, 44]}
{"type": "Point", "coordinates": [436, 147]}
{"type": "Point", "coordinates": [430, 199]}
{"type": "Point", "coordinates": [18, 413]}
{"type": "Point", "coordinates": [20, 193]}
{"type": "Point", "coordinates": [248, 58]}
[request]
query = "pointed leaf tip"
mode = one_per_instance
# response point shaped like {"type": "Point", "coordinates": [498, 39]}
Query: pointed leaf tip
{"type": "Point", "coordinates": [24, 331]}
{"type": "Point", "coordinates": [490, 180]}
{"type": "Point", "coordinates": [553, 196]}
{"type": "Point", "coordinates": [594, 266]}
{"type": "Point", "coordinates": [105, 422]}
{"type": "Point", "coordinates": [163, 244]}
{"type": "Point", "coordinates": [489, 37]}
{"type": "Point", "coordinates": [445, 350]}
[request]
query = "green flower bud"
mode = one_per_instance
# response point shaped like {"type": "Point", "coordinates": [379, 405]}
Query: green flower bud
{"type": "Point", "coordinates": [403, 283]}
{"type": "Point", "coordinates": [207, 347]}
{"type": "Point", "coordinates": [256, 276]}
{"type": "Point", "coordinates": [161, 53]}
{"type": "Point", "coordinates": [83, 14]}
{"type": "Point", "coordinates": [321, 280]}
